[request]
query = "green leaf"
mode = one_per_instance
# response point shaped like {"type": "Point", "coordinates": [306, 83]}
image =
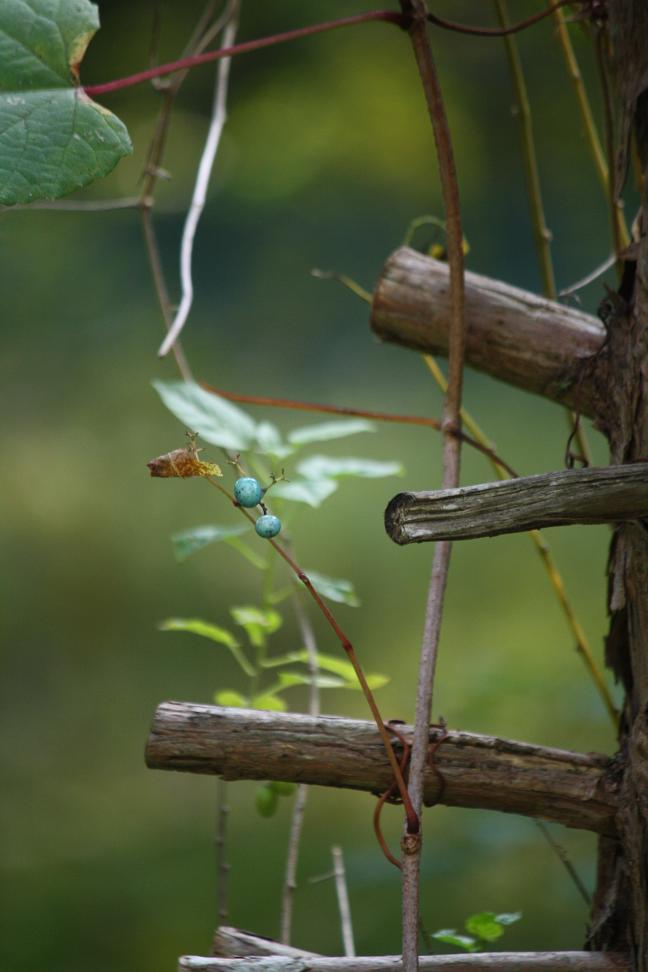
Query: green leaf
{"type": "Point", "coordinates": [266, 801]}
{"type": "Point", "coordinates": [257, 622]}
{"type": "Point", "coordinates": [268, 700]}
{"type": "Point", "coordinates": [324, 431]}
{"type": "Point", "coordinates": [53, 138]}
{"type": "Point", "coordinates": [214, 419]}
{"type": "Point", "coordinates": [269, 441]}
{"type": "Point", "coordinates": [215, 633]}
{"type": "Point", "coordinates": [290, 679]}
{"type": "Point", "coordinates": [231, 698]}
{"type": "Point", "coordinates": [334, 589]}
{"type": "Point", "coordinates": [485, 926]}
{"type": "Point", "coordinates": [509, 917]}
{"type": "Point", "coordinates": [450, 937]}
{"type": "Point", "coordinates": [328, 467]}
{"type": "Point", "coordinates": [312, 492]}
{"type": "Point", "coordinates": [283, 788]}
{"type": "Point", "coordinates": [329, 663]}
{"type": "Point", "coordinates": [188, 541]}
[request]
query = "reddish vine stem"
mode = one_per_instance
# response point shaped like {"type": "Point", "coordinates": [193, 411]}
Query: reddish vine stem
{"type": "Point", "coordinates": [451, 462]}
{"type": "Point", "coordinates": [385, 16]}
{"type": "Point", "coordinates": [430, 423]}
{"type": "Point", "coordinates": [496, 31]}
{"type": "Point", "coordinates": [411, 815]}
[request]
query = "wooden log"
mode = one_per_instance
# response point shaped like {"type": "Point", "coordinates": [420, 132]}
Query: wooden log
{"type": "Point", "coordinates": [575, 789]}
{"type": "Point", "coordinates": [236, 943]}
{"type": "Point", "coordinates": [478, 962]}
{"type": "Point", "coordinates": [610, 494]}
{"type": "Point", "coordinates": [533, 343]}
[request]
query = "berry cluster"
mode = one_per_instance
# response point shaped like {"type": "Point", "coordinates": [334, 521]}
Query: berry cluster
{"type": "Point", "coordinates": [248, 492]}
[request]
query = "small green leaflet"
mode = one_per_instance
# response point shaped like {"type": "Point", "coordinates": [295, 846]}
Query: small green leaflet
{"type": "Point", "coordinates": [270, 443]}
{"type": "Point", "coordinates": [450, 937]}
{"type": "Point", "coordinates": [324, 431]}
{"type": "Point", "coordinates": [215, 633]}
{"type": "Point", "coordinates": [214, 419]}
{"type": "Point", "coordinates": [334, 589]}
{"type": "Point", "coordinates": [257, 622]}
{"type": "Point", "coordinates": [188, 541]}
{"type": "Point", "coordinates": [53, 138]}
{"type": "Point", "coordinates": [229, 697]}
{"type": "Point", "coordinates": [312, 492]}
{"type": "Point", "coordinates": [485, 926]}
{"type": "Point", "coordinates": [268, 700]}
{"type": "Point", "coordinates": [328, 467]}
{"type": "Point", "coordinates": [329, 663]}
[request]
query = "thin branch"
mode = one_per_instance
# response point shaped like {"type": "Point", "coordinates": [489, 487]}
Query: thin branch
{"type": "Point", "coordinates": [431, 423]}
{"type": "Point", "coordinates": [503, 31]}
{"type": "Point", "coordinates": [343, 902]}
{"type": "Point", "coordinates": [384, 16]}
{"type": "Point", "coordinates": [217, 124]}
{"type": "Point", "coordinates": [297, 820]}
{"type": "Point", "coordinates": [412, 844]}
{"type": "Point", "coordinates": [563, 857]}
{"type": "Point", "coordinates": [608, 114]}
{"type": "Point", "coordinates": [589, 278]}
{"type": "Point", "coordinates": [222, 813]}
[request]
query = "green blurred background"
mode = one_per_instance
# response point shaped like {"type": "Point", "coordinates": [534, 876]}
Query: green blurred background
{"type": "Point", "coordinates": [326, 158]}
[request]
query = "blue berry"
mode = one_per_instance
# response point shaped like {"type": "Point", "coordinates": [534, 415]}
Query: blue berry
{"type": "Point", "coordinates": [248, 492]}
{"type": "Point", "coordinates": [268, 526]}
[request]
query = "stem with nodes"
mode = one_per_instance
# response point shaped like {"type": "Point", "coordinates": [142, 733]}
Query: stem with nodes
{"type": "Point", "coordinates": [411, 845]}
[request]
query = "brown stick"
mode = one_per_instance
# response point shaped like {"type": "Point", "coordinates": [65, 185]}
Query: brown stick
{"type": "Point", "coordinates": [610, 494]}
{"type": "Point", "coordinates": [575, 789]}
{"type": "Point", "coordinates": [526, 340]}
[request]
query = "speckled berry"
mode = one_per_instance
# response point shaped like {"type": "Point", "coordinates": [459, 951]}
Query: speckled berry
{"type": "Point", "coordinates": [248, 492]}
{"type": "Point", "coordinates": [268, 526]}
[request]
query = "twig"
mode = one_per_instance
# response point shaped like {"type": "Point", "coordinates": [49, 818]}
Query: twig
{"type": "Point", "coordinates": [343, 902]}
{"type": "Point", "coordinates": [411, 844]}
{"type": "Point", "coordinates": [593, 275]}
{"type": "Point", "coordinates": [411, 815]}
{"type": "Point", "coordinates": [563, 856]}
{"type": "Point", "coordinates": [297, 820]}
{"type": "Point", "coordinates": [544, 551]}
{"type": "Point", "coordinates": [384, 16]}
{"type": "Point", "coordinates": [504, 31]}
{"type": "Point", "coordinates": [608, 114]}
{"type": "Point", "coordinates": [222, 812]}
{"type": "Point", "coordinates": [219, 116]}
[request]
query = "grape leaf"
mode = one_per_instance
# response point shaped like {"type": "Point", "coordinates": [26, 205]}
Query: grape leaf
{"type": "Point", "coordinates": [53, 138]}
{"type": "Point", "coordinates": [188, 541]}
{"type": "Point", "coordinates": [334, 588]}
{"type": "Point", "coordinates": [214, 419]}
{"type": "Point", "coordinates": [311, 491]}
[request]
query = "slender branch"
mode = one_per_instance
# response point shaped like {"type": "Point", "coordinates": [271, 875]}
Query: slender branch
{"type": "Point", "coordinates": [483, 772]}
{"type": "Point", "coordinates": [555, 579]}
{"type": "Point", "coordinates": [608, 114]}
{"type": "Point", "coordinates": [486, 961]}
{"type": "Point", "coordinates": [589, 278]}
{"type": "Point", "coordinates": [431, 423]}
{"type": "Point", "coordinates": [222, 813]}
{"type": "Point", "coordinates": [385, 16]}
{"type": "Point", "coordinates": [412, 817]}
{"type": "Point", "coordinates": [301, 797]}
{"type": "Point", "coordinates": [503, 31]}
{"type": "Point", "coordinates": [344, 907]}
{"type": "Point", "coordinates": [563, 857]}
{"type": "Point", "coordinates": [411, 844]}
{"type": "Point", "coordinates": [217, 124]}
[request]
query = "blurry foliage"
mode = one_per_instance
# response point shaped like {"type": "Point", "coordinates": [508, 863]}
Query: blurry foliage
{"type": "Point", "coordinates": [327, 159]}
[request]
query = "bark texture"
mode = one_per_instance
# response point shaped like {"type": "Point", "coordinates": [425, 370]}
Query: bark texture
{"type": "Point", "coordinates": [575, 789]}
{"type": "Point", "coordinates": [566, 497]}
{"type": "Point", "coordinates": [526, 340]}
{"type": "Point", "coordinates": [483, 962]}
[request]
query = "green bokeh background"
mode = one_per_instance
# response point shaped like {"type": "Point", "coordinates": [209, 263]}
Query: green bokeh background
{"type": "Point", "coordinates": [326, 158]}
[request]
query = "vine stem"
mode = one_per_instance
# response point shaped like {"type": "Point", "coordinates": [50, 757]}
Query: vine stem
{"type": "Point", "coordinates": [413, 824]}
{"type": "Point", "coordinates": [496, 31]}
{"type": "Point", "coordinates": [199, 197]}
{"type": "Point", "coordinates": [344, 907]}
{"type": "Point", "coordinates": [411, 844]}
{"type": "Point", "coordinates": [385, 16]}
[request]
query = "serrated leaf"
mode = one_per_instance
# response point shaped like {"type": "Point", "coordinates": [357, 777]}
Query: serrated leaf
{"type": "Point", "coordinates": [269, 701]}
{"type": "Point", "coordinates": [334, 588]}
{"type": "Point", "coordinates": [214, 633]}
{"type": "Point", "coordinates": [324, 431]}
{"type": "Point", "coordinates": [231, 698]}
{"type": "Point", "coordinates": [484, 925]}
{"type": "Point", "coordinates": [312, 492]}
{"type": "Point", "coordinates": [449, 937]}
{"type": "Point", "coordinates": [257, 622]}
{"type": "Point", "coordinates": [269, 441]}
{"type": "Point", "coordinates": [212, 417]}
{"type": "Point", "coordinates": [328, 467]}
{"type": "Point", "coordinates": [189, 541]}
{"type": "Point", "coordinates": [53, 138]}
{"type": "Point", "coordinates": [508, 917]}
